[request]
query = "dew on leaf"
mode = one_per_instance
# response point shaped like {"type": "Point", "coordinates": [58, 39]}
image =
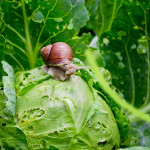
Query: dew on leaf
{"type": "Point", "coordinates": [118, 54]}
{"type": "Point", "coordinates": [141, 49]}
{"type": "Point", "coordinates": [38, 17]}
{"type": "Point", "coordinates": [57, 27]}
{"type": "Point", "coordinates": [70, 26]}
{"type": "Point", "coordinates": [64, 27]}
{"type": "Point", "coordinates": [133, 46]}
{"type": "Point", "coordinates": [106, 41]}
{"type": "Point", "coordinates": [136, 28]}
{"type": "Point", "coordinates": [121, 34]}
{"type": "Point", "coordinates": [121, 65]}
{"type": "Point", "coordinates": [58, 19]}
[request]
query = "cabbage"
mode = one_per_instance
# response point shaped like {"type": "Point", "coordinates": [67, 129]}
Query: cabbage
{"type": "Point", "coordinates": [65, 115]}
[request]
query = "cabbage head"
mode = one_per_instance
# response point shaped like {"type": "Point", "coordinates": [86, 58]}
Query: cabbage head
{"type": "Point", "coordinates": [67, 115]}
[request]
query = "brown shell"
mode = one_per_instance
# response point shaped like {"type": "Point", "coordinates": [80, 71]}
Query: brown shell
{"type": "Point", "coordinates": [61, 53]}
{"type": "Point", "coordinates": [45, 51]}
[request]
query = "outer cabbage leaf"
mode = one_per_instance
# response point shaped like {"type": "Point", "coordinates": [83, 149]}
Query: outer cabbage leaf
{"type": "Point", "coordinates": [26, 81]}
{"type": "Point", "coordinates": [55, 114]}
{"type": "Point", "coordinates": [120, 115]}
{"type": "Point", "coordinates": [9, 88]}
{"type": "Point", "coordinates": [11, 137]}
{"type": "Point", "coordinates": [30, 25]}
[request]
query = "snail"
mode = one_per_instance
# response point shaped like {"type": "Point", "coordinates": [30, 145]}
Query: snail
{"type": "Point", "coordinates": [58, 61]}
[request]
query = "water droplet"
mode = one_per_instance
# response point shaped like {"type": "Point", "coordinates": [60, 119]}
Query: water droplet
{"type": "Point", "coordinates": [38, 17]}
{"type": "Point", "coordinates": [59, 19]}
{"type": "Point", "coordinates": [121, 34]}
{"type": "Point", "coordinates": [136, 27]}
{"type": "Point", "coordinates": [141, 50]}
{"type": "Point", "coordinates": [64, 27]}
{"type": "Point", "coordinates": [121, 65]}
{"type": "Point", "coordinates": [106, 41]}
{"type": "Point", "coordinates": [118, 54]}
{"type": "Point", "coordinates": [130, 1]}
{"type": "Point", "coordinates": [142, 47]}
{"type": "Point", "coordinates": [133, 46]}
{"type": "Point", "coordinates": [70, 26]}
{"type": "Point", "coordinates": [57, 27]}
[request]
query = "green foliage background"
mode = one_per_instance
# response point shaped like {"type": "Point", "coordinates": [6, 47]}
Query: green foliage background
{"type": "Point", "coordinates": [116, 32]}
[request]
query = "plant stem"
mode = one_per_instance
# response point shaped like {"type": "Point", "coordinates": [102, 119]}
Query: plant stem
{"type": "Point", "coordinates": [104, 85]}
{"type": "Point", "coordinates": [146, 109]}
{"type": "Point", "coordinates": [28, 39]}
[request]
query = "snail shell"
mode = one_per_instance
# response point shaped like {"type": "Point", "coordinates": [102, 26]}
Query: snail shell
{"type": "Point", "coordinates": [57, 54]}
{"type": "Point", "coordinates": [58, 59]}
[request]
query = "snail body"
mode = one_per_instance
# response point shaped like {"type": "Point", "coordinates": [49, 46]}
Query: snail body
{"type": "Point", "coordinates": [58, 61]}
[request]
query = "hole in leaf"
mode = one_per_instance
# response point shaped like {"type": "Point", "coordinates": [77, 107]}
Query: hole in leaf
{"type": "Point", "coordinates": [3, 124]}
{"type": "Point", "coordinates": [63, 130]}
{"type": "Point", "coordinates": [78, 50]}
{"type": "Point", "coordinates": [24, 117]}
{"type": "Point", "coordinates": [102, 143]}
{"type": "Point", "coordinates": [45, 97]}
{"type": "Point", "coordinates": [104, 125]}
{"type": "Point", "coordinates": [26, 74]}
{"type": "Point", "coordinates": [21, 84]}
{"type": "Point", "coordinates": [114, 147]}
{"type": "Point", "coordinates": [30, 128]}
{"type": "Point", "coordinates": [123, 141]}
{"type": "Point", "coordinates": [53, 148]}
{"type": "Point", "coordinates": [40, 113]}
{"type": "Point", "coordinates": [80, 141]}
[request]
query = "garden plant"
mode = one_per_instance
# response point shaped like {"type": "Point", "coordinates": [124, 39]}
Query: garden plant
{"type": "Point", "coordinates": [74, 74]}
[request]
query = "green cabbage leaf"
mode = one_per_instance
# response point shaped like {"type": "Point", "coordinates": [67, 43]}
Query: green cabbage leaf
{"type": "Point", "coordinates": [63, 115]}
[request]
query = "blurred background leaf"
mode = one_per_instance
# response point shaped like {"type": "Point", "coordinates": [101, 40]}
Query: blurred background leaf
{"type": "Point", "coordinates": [30, 25]}
{"type": "Point", "coordinates": [102, 13]}
{"type": "Point", "coordinates": [141, 133]}
{"type": "Point", "coordinates": [125, 50]}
